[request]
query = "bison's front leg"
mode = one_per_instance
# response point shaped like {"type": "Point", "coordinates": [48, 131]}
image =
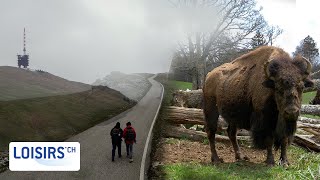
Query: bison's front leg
{"type": "Point", "coordinates": [270, 158]}
{"type": "Point", "coordinates": [283, 157]}
{"type": "Point", "coordinates": [232, 133]}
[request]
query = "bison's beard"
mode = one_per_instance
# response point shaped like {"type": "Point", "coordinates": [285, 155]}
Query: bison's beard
{"type": "Point", "coordinates": [284, 129]}
{"type": "Point", "coordinates": [277, 130]}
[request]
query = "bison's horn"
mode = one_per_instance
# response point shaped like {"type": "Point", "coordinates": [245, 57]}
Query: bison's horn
{"type": "Point", "coordinates": [309, 67]}
{"type": "Point", "coordinates": [267, 70]}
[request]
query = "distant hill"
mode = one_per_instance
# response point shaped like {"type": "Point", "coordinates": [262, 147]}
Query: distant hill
{"type": "Point", "coordinates": [55, 118]}
{"type": "Point", "coordinates": [16, 83]}
{"type": "Point", "coordinates": [134, 86]}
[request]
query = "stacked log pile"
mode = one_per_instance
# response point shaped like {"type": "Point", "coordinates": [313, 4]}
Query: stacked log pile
{"type": "Point", "coordinates": [186, 110]}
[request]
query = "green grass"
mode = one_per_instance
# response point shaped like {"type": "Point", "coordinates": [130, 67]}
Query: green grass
{"type": "Point", "coordinates": [307, 97]}
{"type": "Point", "coordinates": [171, 141]}
{"type": "Point", "coordinates": [180, 85]}
{"type": "Point", "coordinates": [56, 118]}
{"type": "Point", "coordinates": [170, 87]}
{"type": "Point", "coordinates": [310, 116]}
{"type": "Point", "coordinates": [304, 165]}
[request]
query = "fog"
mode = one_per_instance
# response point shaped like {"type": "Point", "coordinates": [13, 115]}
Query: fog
{"type": "Point", "coordinates": [83, 40]}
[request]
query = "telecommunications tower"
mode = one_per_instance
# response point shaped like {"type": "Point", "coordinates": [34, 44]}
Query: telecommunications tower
{"type": "Point", "coordinates": [23, 60]}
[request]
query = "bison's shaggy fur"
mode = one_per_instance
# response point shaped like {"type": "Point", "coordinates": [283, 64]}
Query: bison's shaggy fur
{"type": "Point", "coordinates": [259, 91]}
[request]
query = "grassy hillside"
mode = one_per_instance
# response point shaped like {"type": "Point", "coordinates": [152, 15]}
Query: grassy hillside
{"type": "Point", "coordinates": [16, 83]}
{"type": "Point", "coordinates": [56, 118]}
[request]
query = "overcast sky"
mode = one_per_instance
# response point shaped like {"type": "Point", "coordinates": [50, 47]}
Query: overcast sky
{"type": "Point", "coordinates": [83, 40]}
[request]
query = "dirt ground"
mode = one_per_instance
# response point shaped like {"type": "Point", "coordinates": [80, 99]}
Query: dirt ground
{"type": "Point", "coordinates": [171, 151]}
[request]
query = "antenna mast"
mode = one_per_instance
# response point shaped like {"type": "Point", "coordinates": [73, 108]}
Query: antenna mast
{"type": "Point", "coordinates": [23, 60]}
{"type": "Point", "coordinates": [24, 41]}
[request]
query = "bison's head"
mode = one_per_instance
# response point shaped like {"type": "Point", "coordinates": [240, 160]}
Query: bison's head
{"type": "Point", "coordinates": [288, 78]}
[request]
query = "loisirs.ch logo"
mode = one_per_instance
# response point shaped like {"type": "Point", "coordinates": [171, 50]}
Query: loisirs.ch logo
{"type": "Point", "coordinates": [44, 156]}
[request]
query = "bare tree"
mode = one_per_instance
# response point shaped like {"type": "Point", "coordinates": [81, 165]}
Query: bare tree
{"type": "Point", "coordinates": [235, 21]}
{"type": "Point", "coordinates": [272, 33]}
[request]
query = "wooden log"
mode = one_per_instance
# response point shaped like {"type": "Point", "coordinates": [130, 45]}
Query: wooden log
{"type": "Point", "coordinates": [193, 99]}
{"type": "Point", "coordinates": [306, 142]}
{"type": "Point", "coordinates": [190, 99]}
{"type": "Point", "coordinates": [307, 125]}
{"type": "Point", "coordinates": [309, 120]}
{"type": "Point", "coordinates": [181, 115]}
{"type": "Point", "coordinates": [184, 113]}
{"type": "Point", "coordinates": [314, 73]}
{"type": "Point", "coordinates": [310, 109]}
{"type": "Point", "coordinates": [306, 136]}
{"type": "Point", "coordinates": [310, 130]}
{"type": "Point", "coordinates": [175, 120]}
{"type": "Point", "coordinates": [179, 132]}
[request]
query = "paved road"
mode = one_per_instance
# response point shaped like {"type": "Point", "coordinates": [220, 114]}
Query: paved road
{"type": "Point", "coordinates": [96, 146]}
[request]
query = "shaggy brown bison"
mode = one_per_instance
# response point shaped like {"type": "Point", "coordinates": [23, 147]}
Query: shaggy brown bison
{"type": "Point", "coordinates": [261, 92]}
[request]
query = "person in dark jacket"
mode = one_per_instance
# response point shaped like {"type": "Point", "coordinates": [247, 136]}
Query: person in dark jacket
{"type": "Point", "coordinates": [116, 137]}
{"type": "Point", "coordinates": [129, 134]}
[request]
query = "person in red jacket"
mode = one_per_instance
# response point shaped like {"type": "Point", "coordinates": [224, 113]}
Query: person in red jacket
{"type": "Point", "coordinates": [129, 135]}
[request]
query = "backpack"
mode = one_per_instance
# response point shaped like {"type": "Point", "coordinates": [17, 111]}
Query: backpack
{"type": "Point", "coordinates": [130, 134]}
{"type": "Point", "coordinates": [115, 133]}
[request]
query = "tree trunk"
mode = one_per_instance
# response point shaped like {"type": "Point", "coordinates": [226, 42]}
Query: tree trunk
{"type": "Point", "coordinates": [194, 79]}
{"type": "Point", "coordinates": [201, 75]}
{"type": "Point", "coordinates": [200, 62]}
{"type": "Point", "coordinates": [316, 99]}
{"type": "Point", "coordinates": [201, 72]}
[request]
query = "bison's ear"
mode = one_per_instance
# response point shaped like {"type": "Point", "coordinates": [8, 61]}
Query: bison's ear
{"type": "Point", "coordinates": [271, 69]}
{"type": "Point", "coordinates": [303, 64]}
{"type": "Point", "coordinates": [269, 84]}
{"type": "Point", "coordinates": [308, 83]}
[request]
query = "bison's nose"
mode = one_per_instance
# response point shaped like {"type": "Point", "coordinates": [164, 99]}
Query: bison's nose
{"type": "Point", "coordinates": [291, 113]}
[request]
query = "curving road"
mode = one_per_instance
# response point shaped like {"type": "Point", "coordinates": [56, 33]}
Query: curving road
{"type": "Point", "coordinates": [96, 146]}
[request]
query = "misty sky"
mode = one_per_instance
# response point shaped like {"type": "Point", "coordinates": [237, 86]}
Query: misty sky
{"type": "Point", "coordinates": [83, 40]}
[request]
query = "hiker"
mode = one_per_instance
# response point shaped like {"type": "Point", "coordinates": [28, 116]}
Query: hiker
{"type": "Point", "coordinates": [116, 136]}
{"type": "Point", "coordinates": [129, 135]}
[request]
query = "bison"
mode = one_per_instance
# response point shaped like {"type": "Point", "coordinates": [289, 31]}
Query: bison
{"type": "Point", "coordinates": [261, 92]}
